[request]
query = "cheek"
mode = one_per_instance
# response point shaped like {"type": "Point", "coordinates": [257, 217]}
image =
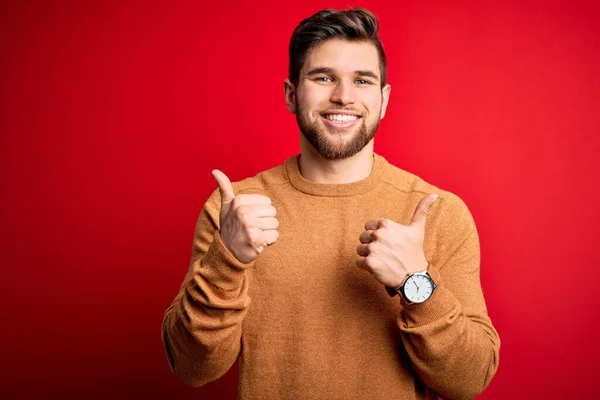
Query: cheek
{"type": "Point", "coordinates": [373, 106]}
{"type": "Point", "coordinates": [303, 103]}
{"type": "Point", "coordinates": [313, 100]}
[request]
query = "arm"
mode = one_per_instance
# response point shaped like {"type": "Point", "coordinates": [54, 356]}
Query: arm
{"type": "Point", "coordinates": [450, 339]}
{"type": "Point", "coordinates": [202, 328]}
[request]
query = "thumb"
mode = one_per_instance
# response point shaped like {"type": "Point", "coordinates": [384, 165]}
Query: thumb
{"type": "Point", "coordinates": [423, 209]}
{"type": "Point", "coordinates": [225, 187]}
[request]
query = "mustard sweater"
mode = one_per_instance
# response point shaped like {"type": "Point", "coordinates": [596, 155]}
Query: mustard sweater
{"type": "Point", "coordinates": [307, 323]}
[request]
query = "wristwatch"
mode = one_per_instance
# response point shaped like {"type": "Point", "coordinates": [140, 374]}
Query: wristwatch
{"type": "Point", "coordinates": [416, 288]}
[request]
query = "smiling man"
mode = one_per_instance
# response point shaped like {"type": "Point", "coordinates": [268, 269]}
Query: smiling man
{"type": "Point", "coordinates": [335, 275]}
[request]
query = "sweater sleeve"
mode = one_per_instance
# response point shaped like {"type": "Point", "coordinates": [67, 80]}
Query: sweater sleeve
{"type": "Point", "coordinates": [450, 338]}
{"type": "Point", "coordinates": [202, 328]}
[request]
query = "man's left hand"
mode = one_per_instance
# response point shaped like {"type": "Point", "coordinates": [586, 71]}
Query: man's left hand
{"type": "Point", "coordinates": [391, 251]}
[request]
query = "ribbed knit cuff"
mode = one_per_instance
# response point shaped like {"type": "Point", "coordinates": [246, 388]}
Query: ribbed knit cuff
{"type": "Point", "coordinates": [441, 303]}
{"type": "Point", "coordinates": [221, 268]}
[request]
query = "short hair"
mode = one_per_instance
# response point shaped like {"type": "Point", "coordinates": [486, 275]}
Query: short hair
{"type": "Point", "coordinates": [355, 24]}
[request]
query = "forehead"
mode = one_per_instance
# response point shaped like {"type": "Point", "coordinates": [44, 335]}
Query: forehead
{"type": "Point", "coordinates": [343, 56]}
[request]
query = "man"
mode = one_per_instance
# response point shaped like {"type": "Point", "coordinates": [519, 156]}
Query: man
{"type": "Point", "coordinates": [335, 275]}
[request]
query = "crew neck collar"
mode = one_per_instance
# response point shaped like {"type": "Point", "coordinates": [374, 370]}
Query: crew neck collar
{"type": "Point", "coordinates": [333, 189]}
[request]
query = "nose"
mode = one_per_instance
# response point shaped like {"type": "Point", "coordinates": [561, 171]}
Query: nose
{"type": "Point", "coordinates": [343, 93]}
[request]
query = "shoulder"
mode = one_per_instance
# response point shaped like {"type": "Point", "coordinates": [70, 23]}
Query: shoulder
{"type": "Point", "coordinates": [448, 212]}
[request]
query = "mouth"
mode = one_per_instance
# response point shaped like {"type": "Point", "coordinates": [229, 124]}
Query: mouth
{"type": "Point", "coordinates": [340, 120]}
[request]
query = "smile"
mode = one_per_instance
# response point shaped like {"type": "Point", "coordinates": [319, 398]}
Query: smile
{"type": "Point", "coordinates": [340, 120]}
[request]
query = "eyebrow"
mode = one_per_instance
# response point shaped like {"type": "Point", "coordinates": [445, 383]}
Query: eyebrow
{"type": "Point", "coordinates": [326, 70]}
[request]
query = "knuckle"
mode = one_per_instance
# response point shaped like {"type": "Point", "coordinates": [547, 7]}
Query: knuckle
{"type": "Point", "coordinates": [250, 234]}
{"type": "Point", "coordinates": [239, 211]}
{"type": "Point", "coordinates": [261, 199]}
{"type": "Point", "coordinates": [258, 239]}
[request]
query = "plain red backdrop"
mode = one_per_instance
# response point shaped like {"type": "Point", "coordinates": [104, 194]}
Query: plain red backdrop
{"type": "Point", "coordinates": [113, 113]}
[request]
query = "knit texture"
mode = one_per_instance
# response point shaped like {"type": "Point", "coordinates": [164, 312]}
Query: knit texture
{"type": "Point", "coordinates": [307, 323]}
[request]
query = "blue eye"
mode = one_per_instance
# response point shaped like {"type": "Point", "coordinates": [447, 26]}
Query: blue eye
{"type": "Point", "coordinates": [322, 77]}
{"type": "Point", "coordinates": [363, 82]}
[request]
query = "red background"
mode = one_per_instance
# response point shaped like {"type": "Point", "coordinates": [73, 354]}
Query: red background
{"type": "Point", "coordinates": [113, 114]}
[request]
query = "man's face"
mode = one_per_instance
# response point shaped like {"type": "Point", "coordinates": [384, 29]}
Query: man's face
{"type": "Point", "coordinates": [339, 101]}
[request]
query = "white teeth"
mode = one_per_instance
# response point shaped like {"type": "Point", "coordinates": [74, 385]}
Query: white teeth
{"type": "Point", "coordinates": [341, 118]}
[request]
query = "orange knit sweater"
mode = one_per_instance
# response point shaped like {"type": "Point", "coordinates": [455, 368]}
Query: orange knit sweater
{"type": "Point", "coordinates": [307, 323]}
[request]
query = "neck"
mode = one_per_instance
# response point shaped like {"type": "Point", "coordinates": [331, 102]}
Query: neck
{"type": "Point", "coordinates": [314, 167]}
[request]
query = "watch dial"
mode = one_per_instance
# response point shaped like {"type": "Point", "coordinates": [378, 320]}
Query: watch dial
{"type": "Point", "coordinates": [418, 288]}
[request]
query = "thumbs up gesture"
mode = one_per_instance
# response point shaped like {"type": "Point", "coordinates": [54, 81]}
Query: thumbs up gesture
{"type": "Point", "coordinates": [390, 251]}
{"type": "Point", "coordinates": [247, 221]}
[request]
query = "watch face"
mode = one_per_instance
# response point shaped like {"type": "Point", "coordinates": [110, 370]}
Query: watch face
{"type": "Point", "coordinates": [418, 288]}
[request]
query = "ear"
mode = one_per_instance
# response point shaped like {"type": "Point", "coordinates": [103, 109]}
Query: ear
{"type": "Point", "coordinates": [385, 93]}
{"type": "Point", "coordinates": [290, 95]}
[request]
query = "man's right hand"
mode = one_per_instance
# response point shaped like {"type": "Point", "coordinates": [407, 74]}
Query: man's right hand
{"type": "Point", "coordinates": [247, 221]}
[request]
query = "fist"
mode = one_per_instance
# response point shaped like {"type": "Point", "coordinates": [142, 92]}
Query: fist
{"type": "Point", "coordinates": [390, 251]}
{"type": "Point", "coordinates": [247, 221]}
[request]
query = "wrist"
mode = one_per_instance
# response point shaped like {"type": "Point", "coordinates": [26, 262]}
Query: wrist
{"type": "Point", "coordinates": [416, 281]}
{"type": "Point", "coordinates": [398, 284]}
